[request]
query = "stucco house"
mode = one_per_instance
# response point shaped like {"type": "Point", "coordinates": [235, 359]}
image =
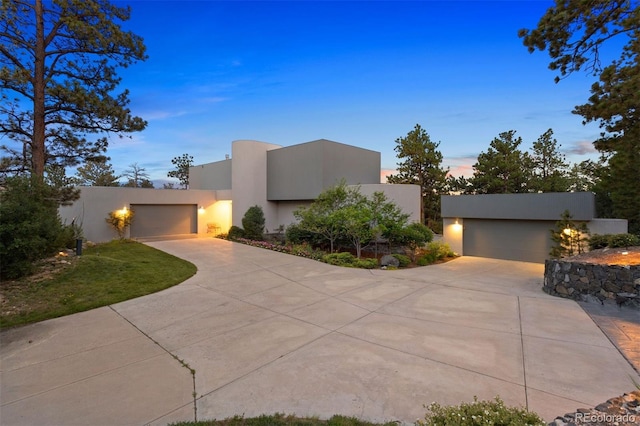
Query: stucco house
{"type": "Point", "coordinates": [279, 179]}
{"type": "Point", "coordinates": [516, 226]}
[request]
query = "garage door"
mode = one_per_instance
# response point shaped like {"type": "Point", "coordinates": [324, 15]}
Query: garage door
{"type": "Point", "coordinates": [153, 220]}
{"type": "Point", "coordinates": [527, 241]}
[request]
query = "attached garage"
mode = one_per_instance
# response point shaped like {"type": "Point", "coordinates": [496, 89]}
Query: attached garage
{"type": "Point", "coordinates": [153, 220]}
{"type": "Point", "coordinates": [510, 226]}
{"type": "Point", "coordinates": [507, 239]}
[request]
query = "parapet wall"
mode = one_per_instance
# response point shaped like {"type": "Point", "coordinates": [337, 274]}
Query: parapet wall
{"type": "Point", "coordinates": [575, 280]}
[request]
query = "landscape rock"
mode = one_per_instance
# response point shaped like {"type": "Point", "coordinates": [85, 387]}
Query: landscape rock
{"type": "Point", "coordinates": [389, 260]}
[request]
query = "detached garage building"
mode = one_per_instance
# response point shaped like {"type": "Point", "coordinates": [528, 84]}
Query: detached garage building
{"type": "Point", "coordinates": [516, 226]}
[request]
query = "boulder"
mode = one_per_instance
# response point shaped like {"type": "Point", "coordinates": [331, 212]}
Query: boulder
{"type": "Point", "coordinates": [389, 260]}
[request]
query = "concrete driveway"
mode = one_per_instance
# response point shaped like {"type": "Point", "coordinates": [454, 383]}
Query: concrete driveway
{"type": "Point", "coordinates": [266, 332]}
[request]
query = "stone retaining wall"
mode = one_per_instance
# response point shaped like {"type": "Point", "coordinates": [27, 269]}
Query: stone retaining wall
{"type": "Point", "coordinates": [579, 280]}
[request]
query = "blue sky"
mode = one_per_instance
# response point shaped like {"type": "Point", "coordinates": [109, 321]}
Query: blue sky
{"type": "Point", "coordinates": [361, 73]}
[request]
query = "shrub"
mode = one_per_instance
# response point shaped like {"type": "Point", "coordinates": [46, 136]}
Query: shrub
{"type": "Point", "coordinates": [253, 223]}
{"type": "Point", "coordinates": [235, 232]}
{"type": "Point", "coordinates": [623, 240]}
{"type": "Point", "coordinates": [296, 234]}
{"type": "Point", "coordinates": [440, 249]}
{"type": "Point", "coordinates": [413, 235]}
{"type": "Point", "coordinates": [613, 240]}
{"type": "Point", "coordinates": [427, 259]}
{"type": "Point", "coordinates": [479, 413]}
{"type": "Point", "coordinates": [365, 263]}
{"type": "Point", "coordinates": [404, 260]}
{"type": "Point", "coordinates": [598, 241]}
{"type": "Point", "coordinates": [348, 260]}
{"type": "Point", "coordinates": [120, 220]}
{"type": "Point", "coordinates": [30, 228]}
{"type": "Point", "coordinates": [339, 259]}
{"type": "Point", "coordinates": [569, 237]}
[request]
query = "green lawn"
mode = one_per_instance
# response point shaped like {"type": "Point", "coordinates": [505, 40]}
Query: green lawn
{"type": "Point", "coordinates": [105, 274]}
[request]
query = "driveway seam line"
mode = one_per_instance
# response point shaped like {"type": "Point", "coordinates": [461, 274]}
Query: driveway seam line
{"type": "Point", "coordinates": [524, 364]}
{"type": "Point", "coordinates": [428, 359]}
{"type": "Point", "coordinates": [183, 363]}
{"type": "Point", "coordinates": [266, 364]}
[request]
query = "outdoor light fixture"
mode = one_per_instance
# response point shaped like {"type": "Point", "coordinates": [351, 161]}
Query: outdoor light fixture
{"type": "Point", "coordinates": [200, 209]}
{"type": "Point", "coordinates": [567, 231]}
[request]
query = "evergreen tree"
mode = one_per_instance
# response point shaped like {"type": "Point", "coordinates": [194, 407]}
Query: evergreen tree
{"type": "Point", "coordinates": [182, 169]}
{"type": "Point", "coordinates": [96, 173]}
{"type": "Point", "coordinates": [422, 165]}
{"type": "Point", "coordinates": [574, 32]}
{"type": "Point", "coordinates": [58, 62]}
{"type": "Point", "coordinates": [503, 169]}
{"type": "Point", "coordinates": [549, 165]}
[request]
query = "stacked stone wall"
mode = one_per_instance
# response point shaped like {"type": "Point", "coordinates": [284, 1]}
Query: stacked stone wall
{"type": "Point", "coordinates": [579, 280]}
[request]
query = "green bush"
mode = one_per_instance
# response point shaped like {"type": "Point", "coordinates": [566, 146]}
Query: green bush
{"type": "Point", "coordinates": [427, 259]}
{"type": "Point", "coordinates": [613, 240]}
{"type": "Point", "coordinates": [623, 240]}
{"type": "Point", "coordinates": [479, 413]}
{"type": "Point", "coordinates": [404, 260]}
{"type": "Point", "coordinates": [365, 263]}
{"type": "Point", "coordinates": [413, 235]}
{"type": "Point", "coordinates": [598, 241]}
{"type": "Point", "coordinates": [339, 259]}
{"type": "Point", "coordinates": [235, 232]}
{"type": "Point", "coordinates": [440, 249]}
{"type": "Point", "coordinates": [348, 260]}
{"type": "Point", "coordinates": [30, 229]}
{"type": "Point", "coordinates": [296, 234]}
{"type": "Point", "coordinates": [253, 223]}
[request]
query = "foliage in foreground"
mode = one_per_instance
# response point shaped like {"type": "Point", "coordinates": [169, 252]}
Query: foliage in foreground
{"type": "Point", "coordinates": [491, 413]}
{"type": "Point", "coordinates": [30, 228]}
{"type": "Point", "coordinates": [283, 420]}
{"type": "Point", "coordinates": [106, 274]}
{"type": "Point", "coordinates": [477, 413]}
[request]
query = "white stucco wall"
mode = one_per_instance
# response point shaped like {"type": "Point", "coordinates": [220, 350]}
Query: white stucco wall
{"type": "Point", "coordinates": [249, 180]}
{"type": "Point", "coordinates": [452, 234]}
{"type": "Point", "coordinates": [407, 197]}
{"type": "Point", "coordinates": [95, 203]}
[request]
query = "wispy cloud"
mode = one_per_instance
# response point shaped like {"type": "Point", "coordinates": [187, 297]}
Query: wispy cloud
{"type": "Point", "coordinates": [161, 114]}
{"type": "Point", "coordinates": [460, 165]}
{"type": "Point", "coordinates": [580, 148]}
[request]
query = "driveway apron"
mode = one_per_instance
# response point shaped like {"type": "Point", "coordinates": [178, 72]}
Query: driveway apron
{"type": "Point", "coordinates": [259, 332]}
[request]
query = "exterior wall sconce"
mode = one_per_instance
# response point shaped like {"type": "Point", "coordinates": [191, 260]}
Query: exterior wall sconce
{"type": "Point", "coordinates": [457, 226]}
{"type": "Point", "coordinates": [201, 209]}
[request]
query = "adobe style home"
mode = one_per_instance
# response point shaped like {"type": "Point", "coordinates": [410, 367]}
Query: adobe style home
{"type": "Point", "coordinates": [516, 226]}
{"type": "Point", "coordinates": [279, 179]}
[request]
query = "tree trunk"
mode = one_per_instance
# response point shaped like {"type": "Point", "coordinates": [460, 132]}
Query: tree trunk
{"type": "Point", "coordinates": [38, 142]}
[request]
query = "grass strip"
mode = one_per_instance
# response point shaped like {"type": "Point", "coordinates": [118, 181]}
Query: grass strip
{"type": "Point", "coordinates": [105, 274]}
